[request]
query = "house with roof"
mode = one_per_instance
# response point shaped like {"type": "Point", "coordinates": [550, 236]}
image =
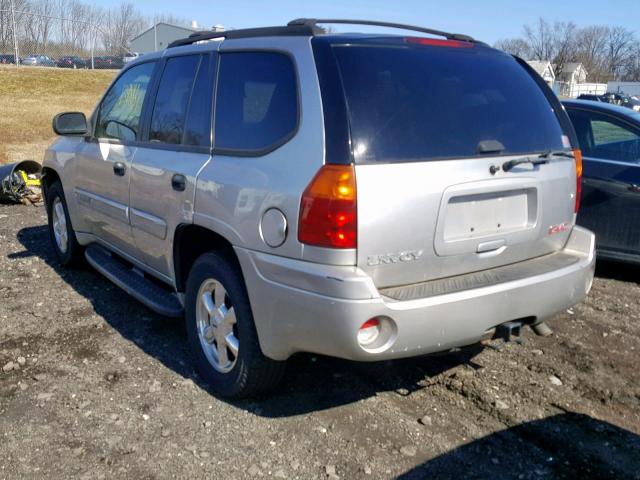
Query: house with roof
{"type": "Point", "coordinates": [545, 70]}
{"type": "Point", "coordinates": [573, 73]}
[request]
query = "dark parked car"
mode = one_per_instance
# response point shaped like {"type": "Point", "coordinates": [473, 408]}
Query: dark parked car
{"type": "Point", "coordinates": [108, 61]}
{"type": "Point", "coordinates": [591, 96]}
{"type": "Point", "coordinates": [623, 100]}
{"type": "Point", "coordinates": [71, 62]}
{"type": "Point", "coordinates": [6, 59]}
{"type": "Point", "coordinates": [609, 136]}
{"type": "Point", "coordinates": [39, 61]}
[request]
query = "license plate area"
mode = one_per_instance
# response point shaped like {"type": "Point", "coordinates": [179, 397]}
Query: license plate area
{"type": "Point", "coordinates": [480, 215]}
{"type": "Point", "coordinates": [474, 215]}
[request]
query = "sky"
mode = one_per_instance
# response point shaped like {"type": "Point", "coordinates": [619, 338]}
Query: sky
{"type": "Point", "coordinates": [486, 20]}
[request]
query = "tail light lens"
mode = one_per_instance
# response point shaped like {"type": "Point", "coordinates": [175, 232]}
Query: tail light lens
{"type": "Point", "coordinates": [577, 154]}
{"type": "Point", "coordinates": [328, 215]}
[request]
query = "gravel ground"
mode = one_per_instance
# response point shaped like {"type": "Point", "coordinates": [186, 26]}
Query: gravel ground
{"type": "Point", "coordinates": [94, 385]}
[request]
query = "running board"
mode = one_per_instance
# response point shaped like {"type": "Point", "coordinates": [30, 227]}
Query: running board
{"type": "Point", "coordinates": [145, 291]}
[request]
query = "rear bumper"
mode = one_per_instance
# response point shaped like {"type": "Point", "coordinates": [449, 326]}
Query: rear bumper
{"type": "Point", "coordinates": [301, 306]}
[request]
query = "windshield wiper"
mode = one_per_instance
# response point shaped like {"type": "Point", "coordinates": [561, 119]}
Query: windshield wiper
{"type": "Point", "coordinates": [539, 160]}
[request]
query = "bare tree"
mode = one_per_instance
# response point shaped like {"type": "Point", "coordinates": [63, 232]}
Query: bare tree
{"type": "Point", "coordinates": [120, 26]}
{"type": "Point", "coordinates": [563, 44]}
{"type": "Point", "coordinates": [591, 50]}
{"type": "Point", "coordinates": [541, 40]}
{"type": "Point", "coordinates": [632, 68]}
{"type": "Point", "coordinates": [514, 46]}
{"type": "Point", "coordinates": [620, 47]}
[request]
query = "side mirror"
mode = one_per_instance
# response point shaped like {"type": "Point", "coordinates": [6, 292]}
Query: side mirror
{"type": "Point", "coordinates": [70, 123]}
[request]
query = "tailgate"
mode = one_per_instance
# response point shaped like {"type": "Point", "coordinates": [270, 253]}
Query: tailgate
{"type": "Point", "coordinates": [431, 127]}
{"type": "Point", "coordinates": [428, 220]}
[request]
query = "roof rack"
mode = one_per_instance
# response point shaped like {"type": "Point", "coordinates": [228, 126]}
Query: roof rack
{"type": "Point", "coordinates": [313, 23]}
{"type": "Point", "coordinates": [306, 27]}
{"type": "Point", "coordinates": [288, 31]}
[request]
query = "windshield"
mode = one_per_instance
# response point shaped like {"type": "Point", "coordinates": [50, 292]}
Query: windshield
{"type": "Point", "coordinates": [414, 103]}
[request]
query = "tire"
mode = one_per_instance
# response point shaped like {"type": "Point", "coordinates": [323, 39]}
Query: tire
{"type": "Point", "coordinates": [219, 318]}
{"type": "Point", "coordinates": [63, 238]}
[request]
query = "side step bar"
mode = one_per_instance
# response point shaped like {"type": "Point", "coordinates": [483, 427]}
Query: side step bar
{"type": "Point", "coordinates": [145, 291]}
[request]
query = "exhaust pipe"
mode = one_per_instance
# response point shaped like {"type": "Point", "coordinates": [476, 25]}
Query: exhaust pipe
{"type": "Point", "coordinates": [542, 329]}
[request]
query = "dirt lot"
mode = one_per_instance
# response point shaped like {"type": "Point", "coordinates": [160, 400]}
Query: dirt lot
{"type": "Point", "coordinates": [97, 386]}
{"type": "Point", "coordinates": [31, 96]}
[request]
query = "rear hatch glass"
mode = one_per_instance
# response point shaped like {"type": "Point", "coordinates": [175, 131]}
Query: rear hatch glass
{"type": "Point", "coordinates": [411, 103]}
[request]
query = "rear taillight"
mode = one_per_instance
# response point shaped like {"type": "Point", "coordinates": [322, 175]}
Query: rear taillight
{"type": "Point", "coordinates": [436, 42]}
{"type": "Point", "coordinates": [328, 215]}
{"type": "Point", "coordinates": [577, 154]}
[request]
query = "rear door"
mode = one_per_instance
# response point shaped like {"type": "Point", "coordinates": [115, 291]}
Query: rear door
{"type": "Point", "coordinates": [611, 182]}
{"type": "Point", "coordinates": [432, 123]}
{"type": "Point", "coordinates": [176, 146]}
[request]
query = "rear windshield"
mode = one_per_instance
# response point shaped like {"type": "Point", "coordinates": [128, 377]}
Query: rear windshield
{"type": "Point", "coordinates": [413, 103]}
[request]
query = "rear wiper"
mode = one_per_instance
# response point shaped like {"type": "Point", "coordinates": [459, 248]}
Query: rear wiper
{"type": "Point", "coordinates": [556, 153]}
{"type": "Point", "coordinates": [539, 160]}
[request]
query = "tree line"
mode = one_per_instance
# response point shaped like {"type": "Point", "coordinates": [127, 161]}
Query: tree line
{"type": "Point", "coordinates": [72, 27]}
{"type": "Point", "coordinates": [607, 52]}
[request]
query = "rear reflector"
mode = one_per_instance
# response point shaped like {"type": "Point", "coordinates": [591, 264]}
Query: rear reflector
{"type": "Point", "coordinates": [577, 154]}
{"type": "Point", "coordinates": [328, 215]}
{"type": "Point", "coordinates": [435, 42]}
{"type": "Point", "coordinates": [368, 332]}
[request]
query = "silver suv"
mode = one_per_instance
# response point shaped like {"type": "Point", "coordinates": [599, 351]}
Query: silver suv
{"type": "Point", "coordinates": [356, 195]}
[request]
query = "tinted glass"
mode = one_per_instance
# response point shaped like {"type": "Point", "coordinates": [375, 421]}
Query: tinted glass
{"type": "Point", "coordinates": [198, 123]}
{"type": "Point", "coordinates": [172, 99]}
{"type": "Point", "coordinates": [605, 137]}
{"type": "Point", "coordinates": [119, 114]}
{"type": "Point", "coordinates": [256, 104]}
{"type": "Point", "coordinates": [414, 103]}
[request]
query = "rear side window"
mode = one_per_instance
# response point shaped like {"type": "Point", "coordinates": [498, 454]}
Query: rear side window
{"type": "Point", "coordinates": [414, 103]}
{"type": "Point", "coordinates": [119, 113]}
{"type": "Point", "coordinates": [256, 102]}
{"type": "Point", "coordinates": [172, 99]}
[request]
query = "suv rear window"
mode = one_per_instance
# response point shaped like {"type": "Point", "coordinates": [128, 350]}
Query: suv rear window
{"type": "Point", "coordinates": [414, 103]}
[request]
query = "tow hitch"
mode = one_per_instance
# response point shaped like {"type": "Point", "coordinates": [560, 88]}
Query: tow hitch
{"type": "Point", "coordinates": [508, 330]}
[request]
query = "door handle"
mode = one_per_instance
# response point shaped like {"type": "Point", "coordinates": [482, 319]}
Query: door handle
{"type": "Point", "coordinates": [633, 188]}
{"type": "Point", "coordinates": [178, 182]}
{"type": "Point", "coordinates": [119, 169]}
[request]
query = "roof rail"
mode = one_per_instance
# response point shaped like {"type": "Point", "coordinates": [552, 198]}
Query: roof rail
{"type": "Point", "coordinates": [306, 27]}
{"type": "Point", "coordinates": [288, 31]}
{"type": "Point", "coordinates": [313, 22]}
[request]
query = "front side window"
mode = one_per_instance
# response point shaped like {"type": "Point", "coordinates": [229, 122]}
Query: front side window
{"type": "Point", "coordinates": [257, 102]}
{"type": "Point", "coordinates": [120, 111]}
{"type": "Point", "coordinates": [602, 136]}
{"type": "Point", "coordinates": [172, 99]}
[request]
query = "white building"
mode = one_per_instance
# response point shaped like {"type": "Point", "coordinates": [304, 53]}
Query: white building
{"type": "Point", "coordinates": [159, 37]}
{"type": "Point", "coordinates": [573, 73]}
{"type": "Point", "coordinates": [545, 70]}
{"type": "Point", "coordinates": [630, 88]}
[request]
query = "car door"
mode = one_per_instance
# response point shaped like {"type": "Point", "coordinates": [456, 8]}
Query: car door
{"type": "Point", "coordinates": [611, 181]}
{"type": "Point", "coordinates": [177, 146]}
{"type": "Point", "coordinates": [102, 169]}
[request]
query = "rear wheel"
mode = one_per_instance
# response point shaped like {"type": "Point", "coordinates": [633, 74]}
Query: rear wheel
{"type": "Point", "coordinates": [222, 334]}
{"type": "Point", "coordinates": [62, 236]}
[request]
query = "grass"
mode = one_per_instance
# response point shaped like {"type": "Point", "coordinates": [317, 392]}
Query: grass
{"type": "Point", "coordinates": [31, 96]}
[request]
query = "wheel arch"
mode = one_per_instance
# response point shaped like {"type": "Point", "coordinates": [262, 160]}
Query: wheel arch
{"type": "Point", "coordinates": [191, 241]}
{"type": "Point", "coordinates": [49, 177]}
